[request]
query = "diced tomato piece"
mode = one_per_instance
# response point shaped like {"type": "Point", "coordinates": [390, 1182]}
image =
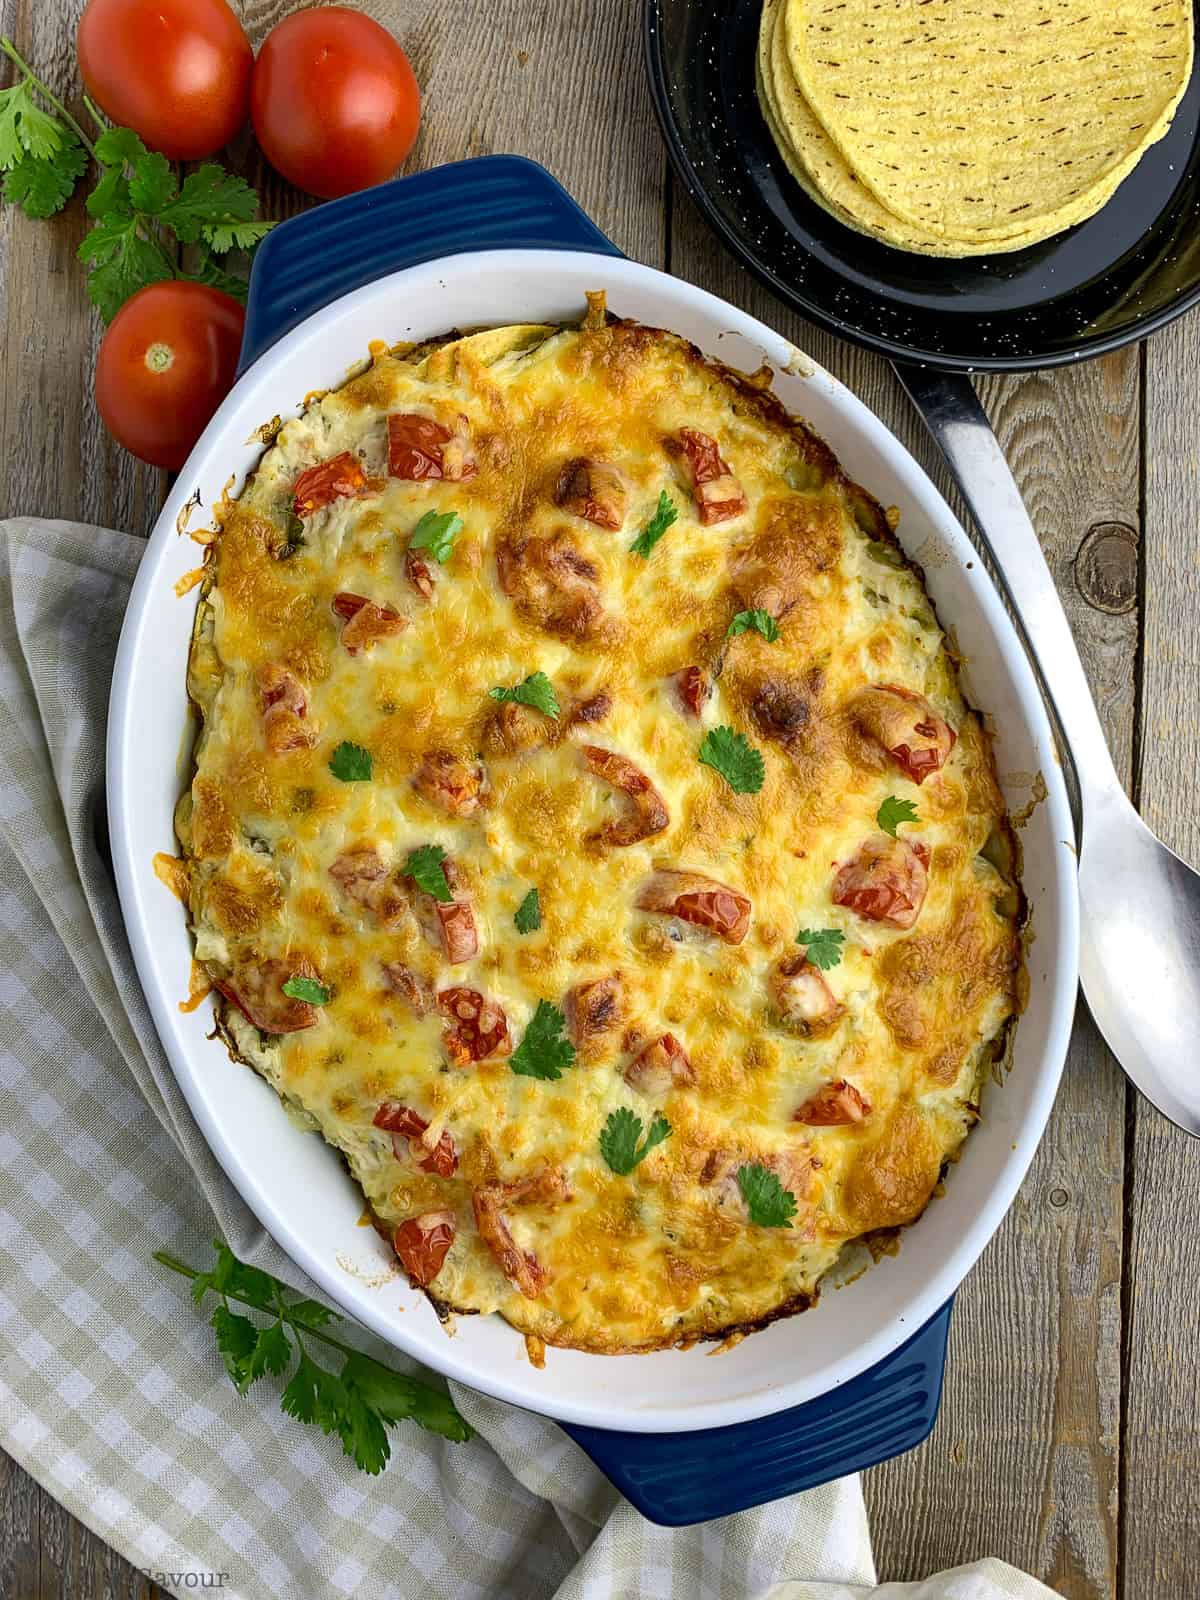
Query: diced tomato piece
{"type": "Point", "coordinates": [552, 583]}
{"type": "Point", "coordinates": [477, 1027]}
{"type": "Point", "coordinates": [694, 686]}
{"type": "Point", "coordinates": [420, 448]}
{"type": "Point", "coordinates": [448, 782]}
{"type": "Point", "coordinates": [364, 877]}
{"type": "Point", "coordinates": [420, 573]}
{"type": "Point", "coordinates": [408, 1129]}
{"type": "Point", "coordinates": [717, 493]}
{"type": "Point", "coordinates": [886, 881]}
{"type": "Point", "coordinates": [412, 988]}
{"type": "Point", "coordinates": [423, 1243]}
{"type": "Point", "coordinates": [693, 897]}
{"type": "Point", "coordinates": [256, 989]}
{"type": "Point", "coordinates": [449, 924]}
{"type": "Point", "coordinates": [834, 1105]}
{"type": "Point", "coordinates": [327, 482]}
{"type": "Point", "coordinates": [662, 1065]}
{"type": "Point", "coordinates": [905, 725]}
{"type": "Point", "coordinates": [284, 708]}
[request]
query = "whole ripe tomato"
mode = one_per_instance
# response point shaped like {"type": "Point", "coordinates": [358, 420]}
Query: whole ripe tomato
{"type": "Point", "coordinates": [175, 71]}
{"type": "Point", "coordinates": [334, 101]}
{"type": "Point", "coordinates": [166, 363]}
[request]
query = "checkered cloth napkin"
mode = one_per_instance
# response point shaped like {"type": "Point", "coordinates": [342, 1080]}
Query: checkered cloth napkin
{"type": "Point", "coordinates": [111, 1391]}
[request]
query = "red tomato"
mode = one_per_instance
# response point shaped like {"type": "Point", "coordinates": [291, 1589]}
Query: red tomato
{"type": "Point", "coordinates": [165, 365]}
{"type": "Point", "coordinates": [334, 101]}
{"type": "Point", "coordinates": [175, 71]}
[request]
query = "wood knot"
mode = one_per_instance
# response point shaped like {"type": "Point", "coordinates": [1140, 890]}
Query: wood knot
{"type": "Point", "coordinates": [1106, 567]}
{"type": "Point", "coordinates": [1059, 1198]}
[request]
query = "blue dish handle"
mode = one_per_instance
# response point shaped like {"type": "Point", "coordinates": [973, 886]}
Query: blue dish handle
{"type": "Point", "coordinates": [507, 202]}
{"type": "Point", "coordinates": [681, 1478]}
{"type": "Point", "coordinates": [489, 203]}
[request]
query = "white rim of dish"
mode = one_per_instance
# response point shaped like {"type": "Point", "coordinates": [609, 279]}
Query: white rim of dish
{"type": "Point", "coordinates": [122, 765]}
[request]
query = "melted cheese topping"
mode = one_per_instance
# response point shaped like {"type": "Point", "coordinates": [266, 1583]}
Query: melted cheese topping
{"type": "Point", "coordinates": [667, 1253]}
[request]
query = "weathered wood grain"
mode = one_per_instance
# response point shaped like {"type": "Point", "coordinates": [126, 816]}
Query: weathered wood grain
{"type": "Point", "coordinates": [1161, 1507]}
{"type": "Point", "coordinates": [20, 1531]}
{"type": "Point", "coordinates": [1023, 1463]}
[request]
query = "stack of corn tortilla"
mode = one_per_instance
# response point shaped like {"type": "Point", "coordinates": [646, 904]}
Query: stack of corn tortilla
{"type": "Point", "coordinates": [969, 127]}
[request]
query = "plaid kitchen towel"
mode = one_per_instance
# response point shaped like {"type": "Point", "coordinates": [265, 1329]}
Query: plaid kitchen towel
{"type": "Point", "coordinates": [111, 1391]}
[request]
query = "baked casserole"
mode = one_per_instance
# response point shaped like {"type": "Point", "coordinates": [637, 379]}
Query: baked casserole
{"type": "Point", "coordinates": [588, 834]}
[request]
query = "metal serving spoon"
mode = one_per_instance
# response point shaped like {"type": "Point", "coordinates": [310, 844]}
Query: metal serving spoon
{"type": "Point", "coordinates": [1134, 893]}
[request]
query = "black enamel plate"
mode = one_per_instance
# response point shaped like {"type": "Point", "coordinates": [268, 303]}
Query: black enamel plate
{"type": "Point", "coordinates": [1128, 270]}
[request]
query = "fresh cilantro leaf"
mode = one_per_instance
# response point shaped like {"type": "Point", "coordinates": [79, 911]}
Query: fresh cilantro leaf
{"type": "Point", "coordinates": [528, 916]}
{"type": "Point", "coordinates": [118, 147]}
{"type": "Point", "coordinates": [123, 261]}
{"type": "Point", "coordinates": [761, 621]}
{"type": "Point", "coordinates": [770, 1205]}
{"type": "Point", "coordinates": [823, 946]}
{"type": "Point", "coordinates": [619, 1139]}
{"type": "Point", "coordinates": [436, 532]}
{"type": "Point", "coordinates": [43, 187]}
{"type": "Point", "coordinates": [358, 1405]}
{"type": "Point", "coordinates": [665, 514]}
{"type": "Point", "coordinates": [398, 1398]}
{"type": "Point", "coordinates": [893, 812]}
{"type": "Point", "coordinates": [272, 1351]}
{"type": "Point", "coordinates": [152, 184]}
{"type": "Point", "coordinates": [351, 763]}
{"type": "Point", "coordinates": [543, 1052]}
{"type": "Point", "coordinates": [236, 1338]}
{"type": "Point", "coordinates": [27, 130]}
{"type": "Point", "coordinates": [215, 206]}
{"type": "Point", "coordinates": [300, 988]}
{"type": "Point", "coordinates": [739, 763]}
{"type": "Point", "coordinates": [536, 690]}
{"type": "Point", "coordinates": [424, 867]}
{"type": "Point", "coordinates": [110, 197]}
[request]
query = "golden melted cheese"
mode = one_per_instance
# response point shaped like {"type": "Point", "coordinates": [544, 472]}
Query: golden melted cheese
{"type": "Point", "coordinates": [667, 1253]}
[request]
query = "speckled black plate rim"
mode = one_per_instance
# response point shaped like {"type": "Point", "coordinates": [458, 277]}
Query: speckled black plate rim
{"type": "Point", "coordinates": [1088, 345]}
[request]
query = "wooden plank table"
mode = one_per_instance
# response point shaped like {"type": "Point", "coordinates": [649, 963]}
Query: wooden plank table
{"type": "Point", "coordinates": [1068, 1438]}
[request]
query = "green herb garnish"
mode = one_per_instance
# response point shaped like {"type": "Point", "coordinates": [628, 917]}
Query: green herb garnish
{"type": "Point", "coordinates": [358, 1404]}
{"type": "Point", "coordinates": [665, 514]}
{"type": "Point", "coordinates": [536, 690]}
{"type": "Point", "coordinates": [770, 1205]}
{"type": "Point", "coordinates": [543, 1052]}
{"type": "Point", "coordinates": [823, 946]}
{"type": "Point", "coordinates": [436, 532]}
{"type": "Point", "coordinates": [424, 867]}
{"type": "Point", "coordinates": [298, 988]}
{"type": "Point", "coordinates": [351, 763]}
{"type": "Point", "coordinates": [528, 915]}
{"type": "Point", "coordinates": [619, 1139]}
{"type": "Point", "coordinates": [739, 763]}
{"type": "Point", "coordinates": [761, 621]}
{"type": "Point", "coordinates": [893, 812]}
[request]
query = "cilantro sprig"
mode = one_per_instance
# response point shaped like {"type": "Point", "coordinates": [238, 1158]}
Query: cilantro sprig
{"type": "Point", "coordinates": [528, 915]}
{"type": "Point", "coordinates": [666, 512]}
{"type": "Point", "coordinates": [536, 690]}
{"type": "Point", "coordinates": [619, 1139]}
{"type": "Point", "coordinates": [142, 212]}
{"type": "Point", "coordinates": [738, 762]}
{"type": "Point", "coordinates": [301, 988]}
{"type": "Point", "coordinates": [770, 1205]}
{"type": "Point", "coordinates": [823, 946]}
{"type": "Point", "coordinates": [543, 1051]}
{"type": "Point", "coordinates": [436, 532]}
{"type": "Point", "coordinates": [893, 812]}
{"type": "Point", "coordinates": [424, 867]}
{"type": "Point", "coordinates": [758, 620]}
{"type": "Point", "coordinates": [350, 763]}
{"type": "Point", "coordinates": [358, 1403]}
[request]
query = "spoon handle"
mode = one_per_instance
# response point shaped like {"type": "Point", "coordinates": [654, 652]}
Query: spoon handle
{"type": "Point", "coordinates": [951, 411]}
